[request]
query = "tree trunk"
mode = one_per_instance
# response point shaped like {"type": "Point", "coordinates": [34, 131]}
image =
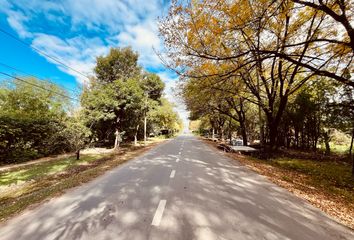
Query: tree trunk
{"type": "Point", "coordinates": [116, 142]}
{"type": "Point", "coordinates": [326, 140]}
{"type": "Point", "coordinates": [351, 155]}
{"type": "Point", "coordinates": [135, 139]}
{"type": "Point", "coordinates": [328, 148]}
{"type": "Point", "coordinates": [243, 133]}
{"type": "Point", "coordinates": [136, 135]}
{"type": "Point", "coordinates": [272, 136]}
{"type": "Point", "coordinates": [273, 131]}
{"type": "Point", "coordinates": [261, 127]}
{"type": "Point", "coordinates": [222, 134]}
{"type": "Point", "coordinates": [213, 135]}
{"type": "Point", "coordinates": [296, 138]}
{"type": "Point", "coordinates": [273, 124]}
{"type": "Point", "coordinates": [78, 154]}
{"type": "Point", "coordinates": [230, 131]}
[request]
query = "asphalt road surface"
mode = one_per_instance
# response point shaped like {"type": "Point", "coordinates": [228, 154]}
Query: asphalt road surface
{"type": "Point", "coordinates": [181, 189]}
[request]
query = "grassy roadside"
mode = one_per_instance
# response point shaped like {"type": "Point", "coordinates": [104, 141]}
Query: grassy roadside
{"type": "Point", "coordinates": [30, 185]}
{"type": "Point", "coordinates": [325, 184]}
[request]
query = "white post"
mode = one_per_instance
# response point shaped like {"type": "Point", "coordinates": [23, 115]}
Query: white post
{"type": "Point", "coordinates": [116, 142]}
{"type": "Point", "coordinates": [145, 130]}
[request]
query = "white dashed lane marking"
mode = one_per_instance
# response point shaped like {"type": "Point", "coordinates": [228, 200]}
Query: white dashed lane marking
{"type": "Point", "coordinates": [158, 214]}
{"type": "Point", "coordinates": [172, 175]}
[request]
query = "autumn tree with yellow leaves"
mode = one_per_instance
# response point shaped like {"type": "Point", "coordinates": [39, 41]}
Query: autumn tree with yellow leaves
{"type": "Point", "coordinates": [272, 47]}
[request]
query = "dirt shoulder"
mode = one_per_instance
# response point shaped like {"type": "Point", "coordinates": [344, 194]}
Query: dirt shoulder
{"type": "Point", "coordinates": [314, 181]}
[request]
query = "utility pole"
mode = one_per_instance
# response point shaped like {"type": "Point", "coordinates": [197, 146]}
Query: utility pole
{"type": "Point", "coordinates": [145, 129]}
{"type": "Point", "coordinates": [145, 120]}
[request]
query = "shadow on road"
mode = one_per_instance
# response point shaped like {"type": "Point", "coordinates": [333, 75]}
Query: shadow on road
{"type": "Point", "coordinates": [211, 197]}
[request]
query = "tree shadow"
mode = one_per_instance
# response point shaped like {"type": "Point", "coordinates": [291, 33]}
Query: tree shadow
{"type": "Point", "coordinates": [211, 197]}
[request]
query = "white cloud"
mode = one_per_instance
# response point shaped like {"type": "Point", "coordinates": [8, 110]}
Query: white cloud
{"type": "Point", "coordinates": [143, 39]}
{"type": "Point", "coordinates": [118, 23]}
{"type": "Point", "coordinates": [78, 53]}
{"type": "Point", "coordinates": [98, 25]}
{"type": "Point", "coordinates": [16, 19]}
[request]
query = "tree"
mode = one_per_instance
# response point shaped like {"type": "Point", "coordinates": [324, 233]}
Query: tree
{"type": "Point", "coordinates": [341, 12]}
{"type": "Point", "coordinates": [113, 93]}
{"type": "Point", "coordinates": [153, 88]}
{"type": "Point", "coordinates": [270, 45]}
{"type": "Point", "coordinates": [76, 133]}
{"type": "Point", "coordinates": [113, 103]}
{"type": "Point", "coordinates": [211, 97]}
{"type": "Point", "coordinates": [312, 37]}
{"type": "Point", "coordinates": [120, 96]}
{"type": "Point", "coordinates": [30, 117]}
{"type": "Point", "coordinates": [120, 63]}
{"type": "Point", "coordinates": [163, 117]}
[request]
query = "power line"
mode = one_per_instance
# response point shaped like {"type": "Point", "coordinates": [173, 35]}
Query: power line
{"type": "Point", "coordinates": [38, 86]}
{"type": "Point", "coordinates": [42, 52]}
{"type": "Point", "coordinates": [32, 75]}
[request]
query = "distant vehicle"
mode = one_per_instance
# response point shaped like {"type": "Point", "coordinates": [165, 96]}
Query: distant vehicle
{"type": "Point", "coordinates": [236, 142]}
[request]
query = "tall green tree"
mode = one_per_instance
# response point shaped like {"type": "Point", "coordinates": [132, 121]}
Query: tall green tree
{"type": "Point", "coordinates": [113, 104]}
{"type": "Point", "coordinates": [118, 99]}
{"type": "Point", "coordinates": [119, 63]}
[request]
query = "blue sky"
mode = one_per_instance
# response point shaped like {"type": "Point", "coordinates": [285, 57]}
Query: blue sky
{"type": "Point", "coordinates": [76, 32]}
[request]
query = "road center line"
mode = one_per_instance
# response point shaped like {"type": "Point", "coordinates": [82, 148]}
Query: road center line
{"type": "Point", "coordinates": [158, 214]}
{"type": "Point", "coordinates": [172, 175]}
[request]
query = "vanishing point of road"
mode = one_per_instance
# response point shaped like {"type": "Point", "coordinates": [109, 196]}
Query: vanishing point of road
{"type": "Point", "coordinates": [182, 190]}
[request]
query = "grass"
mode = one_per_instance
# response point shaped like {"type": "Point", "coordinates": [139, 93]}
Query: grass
{"type": "Point", "coordinates": [336, 148]}
{"type": "Point", "coordinates": [27, 173]}
{"type": "Point", "coordinates": [332, 177]}
{"type": "Point", "coordinates": [31, 184]}
{"type": "Point", "coordinates": [326, 184]}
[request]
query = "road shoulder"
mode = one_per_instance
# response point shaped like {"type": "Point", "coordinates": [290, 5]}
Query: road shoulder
{"type": "Point", "coordinates": [43, 186]}
{"type": "Point", "coordinates": [339, 209]}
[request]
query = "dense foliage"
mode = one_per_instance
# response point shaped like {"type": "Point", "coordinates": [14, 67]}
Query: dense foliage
{"type": "Point", "coordinates": [117, 102]}
{"type": "Point", "coordinates": [30, 119]}
{"type": "Point", "coordinates": [37, 117]}
{"type": "Point", "coordinates": [279, 71]}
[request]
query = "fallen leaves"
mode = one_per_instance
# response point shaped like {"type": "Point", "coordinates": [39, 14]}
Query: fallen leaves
{"type": "Point", "coordinates": [300, 184]}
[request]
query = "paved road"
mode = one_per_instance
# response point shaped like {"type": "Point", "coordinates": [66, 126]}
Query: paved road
{"type": "Point", "coordinates": [180, 190]}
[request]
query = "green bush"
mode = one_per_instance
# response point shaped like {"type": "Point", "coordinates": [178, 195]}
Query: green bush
{"type": "Point", "coordinates": [26, 139]}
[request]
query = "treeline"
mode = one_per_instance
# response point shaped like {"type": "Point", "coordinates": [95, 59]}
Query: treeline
{"type": "Point", "coordinates": [278, 71]}
{"type": "Point", "coordinates": [317, 114]}
{"type": "Point", "coordinates": [38, 118]}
